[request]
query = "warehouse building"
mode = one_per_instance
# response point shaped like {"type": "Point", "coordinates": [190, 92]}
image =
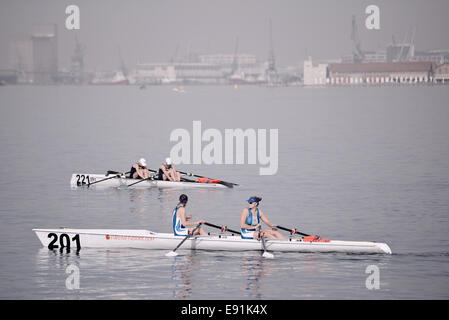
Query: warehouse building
{"type": "Point", "coordinates": [442, 73]}
{"type": "Point", "coordinates": [380, 72]}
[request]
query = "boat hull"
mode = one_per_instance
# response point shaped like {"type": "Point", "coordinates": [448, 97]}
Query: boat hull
{"type": "Point", "coordinates": [144, 239]}
{"type": "Point", "coordinates": [86, 179]}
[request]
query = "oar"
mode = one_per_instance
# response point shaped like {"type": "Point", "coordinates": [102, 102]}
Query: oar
{"type": "Point", "coordinates": [173, 253]}
{"type": "Point", "coordinates": [157, 172]}
{"type": "Point", "coordinates": [129, 185]}
{"type": "Point", "coordinates": [292, 231]}
{"type": "Point", "coordinates": [111, 172]}
{"type": "Point", "coordinates": [115, 176]}
{"type": "Point", "coordinates": [221, 228]}
{"type": "Point", "coordinates": [182, 179]}
{"type": "Point", "coordinates": [265, 254]}
{"type": "Point", "coordinates": [227, 184]}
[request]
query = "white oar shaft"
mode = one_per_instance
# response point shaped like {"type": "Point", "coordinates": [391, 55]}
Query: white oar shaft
{"type": "Point", "coordinates": [117, 175]}
{"type": "Point", "coordinates": [265, 254]}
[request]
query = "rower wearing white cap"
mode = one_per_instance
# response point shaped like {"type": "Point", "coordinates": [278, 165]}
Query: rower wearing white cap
{"type": "Point", "coordinates": [140, 170]}
{"type": "Point", "coordinates": [168, 172]}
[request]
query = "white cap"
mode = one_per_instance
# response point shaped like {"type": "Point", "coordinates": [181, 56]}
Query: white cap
{"type": "Point", "coordinates": [168, 161]}
{"type": "Point", "coordinates": [142, 162]}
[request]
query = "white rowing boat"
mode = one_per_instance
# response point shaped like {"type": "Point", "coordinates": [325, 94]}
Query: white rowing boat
{"type": "Point", "coordinates": [93, 180]}
{"type": "Point", "coordinates": [144, 239]}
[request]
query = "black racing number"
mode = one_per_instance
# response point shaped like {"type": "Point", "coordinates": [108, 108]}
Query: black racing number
{"type": "Point", "coordinates": [64, 241]}
{"type": "Point", "coordinates": [81, 179]}
{"type": "Point", "coordinates": [52, 245]}
{"type": "Point", "coordinates": [77, 241]}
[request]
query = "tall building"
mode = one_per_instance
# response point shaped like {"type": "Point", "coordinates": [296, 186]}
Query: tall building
{"type": "Point", "coordinates": [45, 53]}
{"type": "Point", "coordinates": [357, 53]}
{"type": "Point", "coordinates": [77, 67]}
{"type": "Point", "coordinates": [315, 73]}
{"type": "Point", "coordinates": [271, 72]}
{"type": "Point", "coordinates": [21, 57]}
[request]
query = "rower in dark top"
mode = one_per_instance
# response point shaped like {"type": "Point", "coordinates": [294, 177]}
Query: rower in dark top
{"type": "Point", "coordinates": [168, 172]}
{"type": "Point", "coordinates": [139, 170]}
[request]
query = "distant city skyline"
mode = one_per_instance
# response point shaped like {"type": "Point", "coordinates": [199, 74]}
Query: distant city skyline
{"type": "Point", "coordinates": [151, 31]}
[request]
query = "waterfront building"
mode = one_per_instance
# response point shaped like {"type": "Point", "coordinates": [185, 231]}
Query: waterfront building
{"type": "Point", "coordinates": [77, 66]}
{"type": "Point", "coordinates": [237, 68]}
{"type": "Point", "coordinates": [209, 69]}
{"type": "Point", "coordinates": [441, 74]}
{"type": "Point", "coordinates": [381, 72]}
{"type": "Point", "coordinates": [437, 56]}
{"type": "Point", "coordinates": [368, 56]}
{"type": "Point", "coordinates": [315, 73]}
{"type": "Point", "coordinates": [178, 72]}
{"type": "Point", "coordinates": [21, 60]}
{"type": "Point", "coordinates": [154, 73]}
{"type": "Point", "coordinates": [45, 53]}
{"type": "Point", "coordinates": [227, 60]}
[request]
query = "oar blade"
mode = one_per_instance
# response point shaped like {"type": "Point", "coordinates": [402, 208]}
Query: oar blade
{"type": "Point", "coordinates": [227, 184]}
{"type": "Point", "coordinates": [268, 255]}
{"type": "Point", "coordinates": [118, 175]}
{"type": "Point", "coordinates": [171, 254]}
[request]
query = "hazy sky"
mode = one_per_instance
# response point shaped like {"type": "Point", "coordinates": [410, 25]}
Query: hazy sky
{"type": "Point", "coordinates": [150, 30]}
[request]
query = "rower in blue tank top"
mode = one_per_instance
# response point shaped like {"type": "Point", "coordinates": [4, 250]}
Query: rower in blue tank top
{"type": "Point", "coordinates": [182, 225]}
{"type": "Point", "coordinates": [250, 222]}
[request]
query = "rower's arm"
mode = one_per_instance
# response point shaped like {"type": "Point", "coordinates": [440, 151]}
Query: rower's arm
{"type": "Point", "coordinates": [143, 173]}
{"type": "Point", "coordinates": [136, 172]}
{"type": "Point", "coordinates": [165, 172]}
{"type": "Point", "coordinates": [265, 219]}
{"type": "Point", "coordinates": [170, 173]}
{"type": "Point", "coordinates": [185, 221]}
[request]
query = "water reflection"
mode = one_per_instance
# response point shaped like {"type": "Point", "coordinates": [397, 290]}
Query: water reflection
{"type": "Point", "coordinates": [138, 199]}
{"type": "Point", "coordinates": [51, 268]}
{"type": "Point", "coordinates": [254, 268]}
{"type": "Point", "coordinates": [182, 271]}
{"type": "Point", "coordinates": [57, 257]}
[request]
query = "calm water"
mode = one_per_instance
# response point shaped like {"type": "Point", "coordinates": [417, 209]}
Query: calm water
{"type": "Point", "coordinates": [354, 164]}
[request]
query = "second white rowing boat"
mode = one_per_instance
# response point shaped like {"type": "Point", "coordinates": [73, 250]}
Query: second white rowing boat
{"type": "Point", "coordinates": [86, 179]}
